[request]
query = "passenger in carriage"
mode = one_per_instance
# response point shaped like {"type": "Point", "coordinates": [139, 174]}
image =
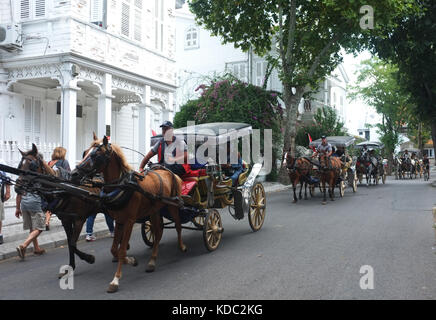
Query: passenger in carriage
{"type": "Point", "coordinates": [172, 151]}
{"type": "Point", "coordinates": [233, 170]}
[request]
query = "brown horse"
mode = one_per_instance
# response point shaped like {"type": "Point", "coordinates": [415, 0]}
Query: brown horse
{"type": "Point", "coordinates": [108, 159]}
{"type": "Point", "coordinates": [72, 211]}
{"type": "Point", "coordinates": [299, 172]}
{"type": "Point", "coordinates": [330, 170]}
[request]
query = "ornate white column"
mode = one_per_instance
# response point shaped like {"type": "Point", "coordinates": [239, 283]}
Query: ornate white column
{"type": "Point", "coordinates": [68, 117]}
{"type": "Point", "coordinates": [144, 130]}
{"type": "Point", "coordinates": [104, 113]}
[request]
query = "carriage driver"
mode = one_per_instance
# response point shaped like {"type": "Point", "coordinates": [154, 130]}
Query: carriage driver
{"type": "Point", "coordinates": [171, 151]}
{"type": "Point", "coordinates": [324, 147]}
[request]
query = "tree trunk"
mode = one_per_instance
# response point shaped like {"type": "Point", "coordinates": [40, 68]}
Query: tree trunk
{"type": "Point", "coordinates": [291, 103]}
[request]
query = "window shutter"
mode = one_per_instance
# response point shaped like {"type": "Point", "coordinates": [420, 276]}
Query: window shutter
{"type": "Point", "coordinates": [97, 11]}
{"type": "Point", "coordinates": [138, 26]}
{"type": "Point", "coordinates": [125, 19]}
{"type": "Point", "coordinates": [39, 8]}
{"type": "Point", "coordinates": [37, 117]}
{"type": "Point", "coordinates": [27, 115]}
{"type": "Point", "coordinates": [25, 9]}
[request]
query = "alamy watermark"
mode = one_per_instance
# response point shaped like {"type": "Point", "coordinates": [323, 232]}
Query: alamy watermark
{"type": "Point", "coordinates": [66, 282]}
{"type": "Point", "coordinates": [367, 21]}
{"type": "Point", "coordinates": [204, 146]}
{"type": "Point", "coordinates": [367, 280]}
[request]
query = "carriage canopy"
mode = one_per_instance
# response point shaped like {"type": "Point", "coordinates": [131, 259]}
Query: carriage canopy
{"type": "Point", "coordinates": [215, 133]}
{"type": "Point", "coordinates": [370, 144]}
{"type": "Point", "coordinates": [337, 141]}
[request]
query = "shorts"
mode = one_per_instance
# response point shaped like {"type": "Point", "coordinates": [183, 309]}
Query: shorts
{"type": "Point", "coordinates": [2, 211]}
{"type": "Point", "coordinates": [33, 220]}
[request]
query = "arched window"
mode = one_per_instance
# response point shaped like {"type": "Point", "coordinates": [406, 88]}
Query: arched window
{"type": "Point", "coordinates": [191, 38]}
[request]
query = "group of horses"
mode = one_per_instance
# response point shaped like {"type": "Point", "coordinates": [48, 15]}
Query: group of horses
{"type": "Point", "coordinates": [406, 167]}
{"type": "Point", "coordinates": [303, 170]}
{"type": "Point", "coordinates": [370, 166]}
{"type": "Point", "coordinates": [154, 186]}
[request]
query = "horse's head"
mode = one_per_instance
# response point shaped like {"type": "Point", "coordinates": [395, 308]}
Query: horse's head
{"type": "Point", "coordinates": [95, 159]}
{"type": "Point", "coordinates": [290, 160]}
{"type": "Point", "coordinates": [31, 160]}
{"type": "Point", "coordinates": [323, 161]}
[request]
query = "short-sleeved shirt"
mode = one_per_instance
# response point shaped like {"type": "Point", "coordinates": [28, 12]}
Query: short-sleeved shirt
{"type": "Point", "coordinates": [175, 149]}
{"type": "Point", "coordinates": [324, 148]}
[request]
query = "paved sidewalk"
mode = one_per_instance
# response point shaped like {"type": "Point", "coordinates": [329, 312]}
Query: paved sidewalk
{"type": "Point", "coordinates": [14, 235]}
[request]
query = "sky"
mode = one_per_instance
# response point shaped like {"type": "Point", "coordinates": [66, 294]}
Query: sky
{"type": "Point", "coordinates": [358, 112]}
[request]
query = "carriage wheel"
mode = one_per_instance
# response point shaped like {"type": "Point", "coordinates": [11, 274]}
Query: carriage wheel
{"type": "Point", "coordinates": [342, 188]}
{"type": "Point", "coordinates": [354, 184]}
{"type": "Point", "coordinates": [384, 178]}
{"type": "Point", "coordinates": [147, 233]}
{"type": "Point", "coordinates": [198, 221]}
{"type": "Point", "coordinates": [212, 230]}
{"type": "Point", "coordinates": [256, 216]}
{"type": "Point", "coordinates": [360, 177]}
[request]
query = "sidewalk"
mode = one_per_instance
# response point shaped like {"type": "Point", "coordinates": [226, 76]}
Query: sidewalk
{"type": "Point", "coordinates": [14, 235]}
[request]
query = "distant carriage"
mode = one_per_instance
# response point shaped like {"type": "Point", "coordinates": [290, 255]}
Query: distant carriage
{"type": "Point", "coordinates": [370, 165]}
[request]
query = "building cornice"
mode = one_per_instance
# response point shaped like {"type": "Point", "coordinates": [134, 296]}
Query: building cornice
{"type": "Point", "coordinates": [80, 60]}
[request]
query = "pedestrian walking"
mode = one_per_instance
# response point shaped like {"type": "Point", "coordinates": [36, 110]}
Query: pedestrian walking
{"type": "Point", "coordinates": [28, 205]}
{"type": "Point", "coordinates": [90, 226]}
{"type": "Point", "coordinates": [5, 197]}
{"type": "Point", "coordinates": [57, 161]}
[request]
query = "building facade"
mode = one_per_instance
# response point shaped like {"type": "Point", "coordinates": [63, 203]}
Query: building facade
{"type": "Point", "coordinates": [106, 66]}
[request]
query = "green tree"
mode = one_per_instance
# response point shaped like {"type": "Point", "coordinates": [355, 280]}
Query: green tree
{"type": "Point", "coordinates": [309, 36]}
{"type": "Point", "coordinates": [327, 122]}
{"type": "Point", "coordinates": [378, 86]}
{"type": "Point", "coordinates": [410, 43]}
{"type": "Point", "coordinates": [227, 99]}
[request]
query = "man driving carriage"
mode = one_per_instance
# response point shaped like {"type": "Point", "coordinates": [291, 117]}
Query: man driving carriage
{"type": "Point", "coordinates": [171, 151]}
{"type": "Point", "coordinates": [324, 148]}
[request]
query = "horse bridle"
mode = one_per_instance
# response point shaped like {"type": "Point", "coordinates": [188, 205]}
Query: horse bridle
{"type": "Point", "coordinates": [96, 161]}
{"type": "Point", "coordinates": [34, 165]}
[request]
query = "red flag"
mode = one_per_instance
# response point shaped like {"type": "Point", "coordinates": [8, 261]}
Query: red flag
{"type": "Point", "coordinates": [153, 132]}
{"type": "Point", "coordinates": [310, 140]}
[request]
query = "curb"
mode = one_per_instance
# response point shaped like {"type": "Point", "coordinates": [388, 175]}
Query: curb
{"type": "Point", "coordinates": [58, 238]}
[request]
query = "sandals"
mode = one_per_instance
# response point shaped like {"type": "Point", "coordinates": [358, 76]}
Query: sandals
{"type": "Point", "coordinates": [21, 252]}
{"type": "Point", "coordinates": [39, 253]}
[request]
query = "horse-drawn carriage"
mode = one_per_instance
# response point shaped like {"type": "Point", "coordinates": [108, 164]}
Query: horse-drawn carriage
{"type": "Point", "coordinates": [205, 191]}
{"type": "Point", "coordinates": [370, 164]}
{"type": "Point", "coordinates": [348, 176]}
{"type": "Point", "coordinates": [408, 166]}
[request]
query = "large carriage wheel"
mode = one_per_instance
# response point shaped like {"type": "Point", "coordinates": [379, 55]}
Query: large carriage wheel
{"type": "Point", "coordinates": [256, 215]}
{"type": "Point", "coordinates": [342, 188]}
{"type": "Point", "coordinates": [212, 230]}
{"type": "Point", "coordinates": [147, 233]}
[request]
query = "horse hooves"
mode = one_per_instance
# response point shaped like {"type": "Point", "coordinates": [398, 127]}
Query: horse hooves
{"type": "Point", "coordinates": [112, 288]}
{"type": "Point", "coordinates": [150, 268]}
{"type": "Point", "coordinates": [90, 259]}
{"type": "Point", "coordinates": [324, 202]}
{"type": "Point", "coordinates": [294, 201]}
{"type": "Point", "coordinates": [183, 248]}
{"type": "Point", "coordinates": [135, 262]}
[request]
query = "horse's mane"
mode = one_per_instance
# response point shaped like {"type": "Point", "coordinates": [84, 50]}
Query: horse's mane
{"type": "Point", "coordinates": [125, 166]}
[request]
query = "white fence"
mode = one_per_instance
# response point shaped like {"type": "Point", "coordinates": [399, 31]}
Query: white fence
{"type": "Point", "coordinates": [10, 153]}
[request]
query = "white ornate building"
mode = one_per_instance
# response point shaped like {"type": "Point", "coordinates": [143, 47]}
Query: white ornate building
{"type": "Point", "coordinates": [87, 65]}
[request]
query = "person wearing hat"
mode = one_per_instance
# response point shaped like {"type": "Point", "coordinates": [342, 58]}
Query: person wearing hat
{"type": "Point", "coordinates": [324, 147]}
{"type": "Point", "coordinates": [171, 151]}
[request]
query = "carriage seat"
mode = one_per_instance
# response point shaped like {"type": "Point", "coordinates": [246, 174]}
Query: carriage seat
{"type": "Point", "coordinates": [187, 186]}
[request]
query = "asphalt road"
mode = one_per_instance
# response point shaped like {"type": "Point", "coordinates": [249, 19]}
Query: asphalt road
{"type": "Point", "coordinates": [304, 251]}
